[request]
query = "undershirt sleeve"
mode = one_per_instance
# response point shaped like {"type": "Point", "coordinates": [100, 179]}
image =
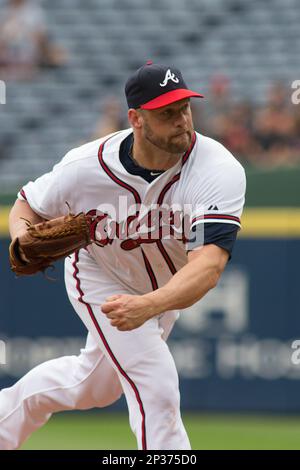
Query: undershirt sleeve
{"type": "Point", "coordinates": [220, 234]}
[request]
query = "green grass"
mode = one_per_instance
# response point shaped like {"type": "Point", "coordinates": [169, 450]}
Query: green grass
{"type": "Point", "coordinates": [111, 431]}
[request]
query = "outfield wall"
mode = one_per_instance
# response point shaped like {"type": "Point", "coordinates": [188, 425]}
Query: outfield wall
{"type": "Point", "coordinates": [233, 349]}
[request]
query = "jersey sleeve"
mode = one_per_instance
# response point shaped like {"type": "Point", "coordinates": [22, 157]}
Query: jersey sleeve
{"type": "Point", "coordinates": [216, 207]}
{"type": "Point", "coordinates": [48, 194]}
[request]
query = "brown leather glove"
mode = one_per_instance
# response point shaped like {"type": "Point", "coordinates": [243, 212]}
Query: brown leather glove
{"type": "Point", "coordinates": [46, 242]}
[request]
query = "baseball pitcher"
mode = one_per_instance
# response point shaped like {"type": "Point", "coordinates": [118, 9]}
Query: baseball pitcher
{"type": "Point", "coordinates": [146, 219]}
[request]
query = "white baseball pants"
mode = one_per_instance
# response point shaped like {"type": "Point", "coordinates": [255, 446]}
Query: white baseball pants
{"type": "Point", "coordinates": [137, 363]}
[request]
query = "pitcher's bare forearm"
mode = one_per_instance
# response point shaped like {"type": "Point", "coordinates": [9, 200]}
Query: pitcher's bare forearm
{"type": "Point", "coordinates": [186, 287]}
{"type": "Point", "coordinates": [21, 210]}
{"type": "Point", "coordinates": [191, 282]}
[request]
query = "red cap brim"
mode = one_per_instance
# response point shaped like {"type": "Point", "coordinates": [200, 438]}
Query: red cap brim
{"type": "Point", "coordinates": [170, 97]}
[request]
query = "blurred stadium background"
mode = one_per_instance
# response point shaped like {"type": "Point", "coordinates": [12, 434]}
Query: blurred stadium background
{"type": "Point", "coordinates": [64, 64]}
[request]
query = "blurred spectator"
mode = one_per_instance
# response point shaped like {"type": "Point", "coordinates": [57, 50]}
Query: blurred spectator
{"type": "Point", "coordinates": [263, 136]}
{"type": "Point", "coordinates": [275, 128]}
{"type": "Point", "coordinates": [24, 42]}
{"type": "Point", "coordinates": [219, 94]}
{"type": "Point", "coordinates": [297, 127]}
{"type": "Point", "coordinates": [112, 118]}
{"type": "Point", "coordinates": [218, 102]}
{"type": "Point", "coordinates": [234, 130]}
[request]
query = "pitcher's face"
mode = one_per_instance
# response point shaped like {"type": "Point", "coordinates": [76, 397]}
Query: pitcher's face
{"type": "Point", "coordinates": [169, 128]}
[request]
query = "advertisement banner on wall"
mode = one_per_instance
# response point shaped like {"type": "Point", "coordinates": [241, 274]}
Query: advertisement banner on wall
{"type": "Point", "coordinates": [237, 349]}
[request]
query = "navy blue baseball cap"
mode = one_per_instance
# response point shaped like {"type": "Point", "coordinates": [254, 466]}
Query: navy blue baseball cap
{"type": "Point", "coordinates": [153, 86]}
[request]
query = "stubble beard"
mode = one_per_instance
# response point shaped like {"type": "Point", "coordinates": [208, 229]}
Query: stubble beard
{"type": "Point", "coordinates": [169, 145]}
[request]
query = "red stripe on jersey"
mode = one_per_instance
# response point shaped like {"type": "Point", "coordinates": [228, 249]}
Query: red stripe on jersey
{"type": "Point", "coordinates": [117, 180]}
{"type": "Point", "coordinates": [160, 201]}
{"type": "Point", "coordinates": [137, 199]}
{"type": "Point", "coordinates": [177, 176]}
{"type": "Point", "coordinates": [22, 192]}
{"type": "Point", "coordinates": [166, 257]}
{"type": "Point", "coordinates": [188, 153]}
{"type": "Point", "coordinates": [150, 272]}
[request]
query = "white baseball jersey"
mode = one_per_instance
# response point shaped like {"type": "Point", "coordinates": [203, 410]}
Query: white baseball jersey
{"type": "Point", "coordinates": [208, 184]}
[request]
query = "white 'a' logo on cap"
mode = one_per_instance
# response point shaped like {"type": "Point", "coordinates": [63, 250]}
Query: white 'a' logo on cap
{"type": "Point", "coordinates": [169, 76]}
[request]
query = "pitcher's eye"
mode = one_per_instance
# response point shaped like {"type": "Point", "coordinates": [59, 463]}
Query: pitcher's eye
{"type": "Point", "coordinates": [166, 113]}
